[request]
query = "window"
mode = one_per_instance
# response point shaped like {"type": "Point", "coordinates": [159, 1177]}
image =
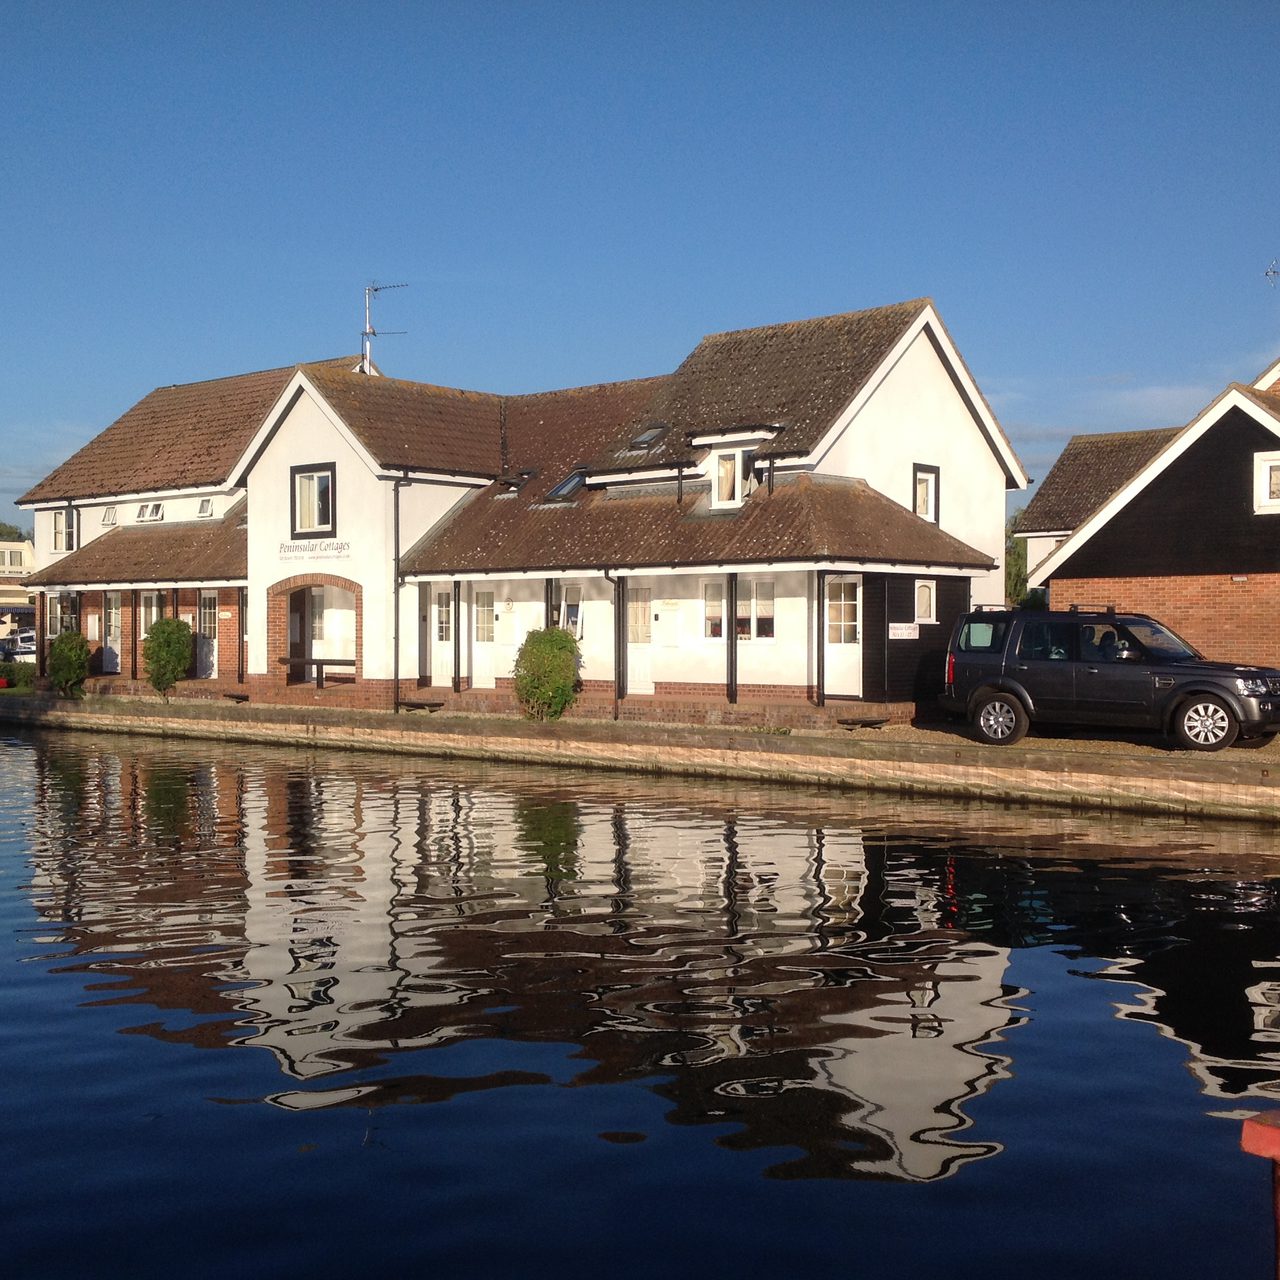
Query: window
{"type": "Point", "coordinates": [15, 558]}
{"type": "Point", "coordinates": [842, 611]}
{"type": "Point", "coordinates": [924, 485]}
{"type": "Point", "coordinates": [206, 508]}
{"type": "Point", "coordinates": [152, 610]}
{"type": "Point", "coordinates": [1047, 641]}
{"type": "Point", "coordinates": [755, 611]}
{"type": "Point", "coordinates": [151, 511]}
{"type": "Point", "coordinates": [484, 617]}
{"type": "Point", "coordinates": [444, 616]}
{"type": "Point", "coordinates": [312, 500]}
{"type": "Point", "coordinates": [571, 611]}
{"type": "Point", "coordinates": [317, 613]}
{"type": "Point", "coordinates": [926, 600]}
{"type": "Point", "coordinates": [1266, 483]}
{"type": "Point", "coordinates": [63, 613]}
{"type": "Point", "coordinates": [64, 530]}
{"type": "Point", "coordinates": [638, 615]}
{"type": "Point", "coordinates": [982, 636]}
{"type": "Point", "coordinates": [730, 477]}
{"type": "Point", "coordinates": [712, 611]}
{"type": "Point", "coordinates": [108, 516]}
{"type": "Point", "coordinates": [566, 488]}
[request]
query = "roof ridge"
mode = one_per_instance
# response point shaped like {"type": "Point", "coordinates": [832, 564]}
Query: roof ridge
{"type": "Point", "coordinates": [385, 380]}
{"type": "Point", "coordinates": [912, 304]}
{"type": "Point", "coordinates": [253, 373]}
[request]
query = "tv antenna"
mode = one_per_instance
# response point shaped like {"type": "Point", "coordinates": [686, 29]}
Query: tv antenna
{"type": "Point", "coordinates": [366, 360]}
{"type": "Point", "coordinates": [1272, 272]}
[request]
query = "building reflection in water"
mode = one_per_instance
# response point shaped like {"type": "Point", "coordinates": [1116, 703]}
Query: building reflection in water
{"type": "Point", "coordinates": [831, 985]}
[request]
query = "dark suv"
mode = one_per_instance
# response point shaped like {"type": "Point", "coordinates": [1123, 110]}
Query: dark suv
{"type": "Point", "coordinates": [1009, 667]}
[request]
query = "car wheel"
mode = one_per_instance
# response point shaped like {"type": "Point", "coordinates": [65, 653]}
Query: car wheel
{"type": "Point", "coordinates": [1000, 719]}
{"type": "Point", "coordinates": [1261, 740]}
{"type": "Point", "coordinates": [1205, 723]}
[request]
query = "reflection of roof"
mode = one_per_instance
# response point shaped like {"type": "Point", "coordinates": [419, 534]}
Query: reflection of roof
{"type": "Point", "coordinates": [1090, 469]}
{"type": "Point", "coordinates": [174, 438]}
{"type": "Point", "coordinates": [805, 518]}
{"type": "Point", "coordinates": [193, 551]}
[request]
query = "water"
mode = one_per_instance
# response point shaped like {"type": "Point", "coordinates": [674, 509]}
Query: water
{"type": "Point", "coordinates": [268, 1013]}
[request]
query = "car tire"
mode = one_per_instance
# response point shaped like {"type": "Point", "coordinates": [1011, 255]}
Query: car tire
{"type": "Point", "coordinates": [1260, 740]}
{"type": "Point", "coordinates": [999, 719]}
{"type": "Point", "coordinates": [1205, 723]}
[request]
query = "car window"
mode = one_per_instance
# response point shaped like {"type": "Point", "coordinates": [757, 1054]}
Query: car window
{"type": "Point", "coordinates": [1046, 641]}
{"type": "Point", "coordinates": [1161, 643]}
{"type": "Point", "coordinates": [982, 635]}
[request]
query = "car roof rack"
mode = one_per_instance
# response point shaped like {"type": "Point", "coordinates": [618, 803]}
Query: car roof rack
{"type": "Point", "coordinates": [1108, 609]}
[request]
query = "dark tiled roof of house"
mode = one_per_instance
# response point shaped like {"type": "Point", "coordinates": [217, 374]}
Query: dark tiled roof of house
{"type": "Point", "coordinates": [415, 424]}
{"type": "Point", "coordinates": [805, 518]}
{"type": "Point", "coordinates": [193, 551]}
{"type": "Point", "coordinates": [799, 375]}
{"type": "Point", "coordinates": [174, 438]}
{"type": "Point", "coordinates": [1090, 469]}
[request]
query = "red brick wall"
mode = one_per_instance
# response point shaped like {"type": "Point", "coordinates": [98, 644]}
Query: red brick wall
{"type": "Point", "coordinates": [1232, 619]}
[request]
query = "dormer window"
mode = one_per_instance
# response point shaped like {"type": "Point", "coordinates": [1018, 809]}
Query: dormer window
{"type": "Point", "coordinates": [311, 500]}
{"type": "Point", "coordinates": [150, 511]}
{"type": "Point", "coordinates": [206, 509]}
{"type": "Point", "coordinates": [108, 517]}
{"type": "Point", "coordinates": [567, 487]}
{"type": "Point", "coordinates": [731, 474]}
{"type": "Point", "coordinates": [924, 486]}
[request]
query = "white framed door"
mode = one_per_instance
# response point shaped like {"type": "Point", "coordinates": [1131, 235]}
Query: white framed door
{"type": "Point", "coordinates": [207, 636]}
{"type": "Point", "coordinates": [111, 634]}
{"type": "Point", "coordinates": [639, 635]}
{"type": "Point", "coordinates": [484, 623]}
{"type": "Point", "coordinates": [842, 635]}
{"type": "Point", "coordinates": [442, 625]}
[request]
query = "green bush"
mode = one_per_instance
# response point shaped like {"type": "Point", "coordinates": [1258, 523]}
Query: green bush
{"type": "Point", "coordinates": [166, 653]}
{"type": "Point", "coordinates": [20, 675]}
{"type": "Point", "coordinates": [68, 663]}
{"type": "Point", "coordinates": [546, 673]}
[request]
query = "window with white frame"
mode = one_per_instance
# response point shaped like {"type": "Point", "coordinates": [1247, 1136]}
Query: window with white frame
{"type": "Point", "coordinates": [570, 613]}
{"type": "Point", "coordinates": [444, 616]}
{"type": "Point", "coordinates": [63, 613]}
{"type": "Point", "coordinates": [731, 473]}
{"type": "Point", "coordinates": [64, 530]}
{"type": "Point", "coordinates": [317, 613]}
{"type": "Point", "coordinates": [108, 516]}
{"type": "Point", "coordinates": [312, 500]}
{"type": "Point", "coordinates": [639, 630]}
{"type": "Point", "coordinates": [924, 486]}
{"type": "Point", "coordinates": [842, 611]}
{"type": "Point", "coordinates": [926, 600]}
{"type": "Point", "coordinates": [1266, 483]}
{"type": "Point", "coordinates": [206, 509]}
{"type": "Point", "coordinates": [14, 558]}
{"type": "Point", "coordinates": [712, 610]}
{"type": "Point", "coordinates": [755, 610]}
{"type": "Point", "coordinates": [484, 617]}
{"type": "Point", "coordinates": [148, 511]}
{"type": "Point", "coordinates": [152, 610]}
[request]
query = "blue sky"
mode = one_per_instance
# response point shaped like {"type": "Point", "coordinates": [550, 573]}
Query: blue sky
{"type": "Point", "coordinates": [577, 192]}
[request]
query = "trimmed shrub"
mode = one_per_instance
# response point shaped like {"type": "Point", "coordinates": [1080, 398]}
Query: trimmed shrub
{"type": "Point", "coordinates": [546, 673]}
{"type": "Point", "coordinates": [166, 653]}
{"type": "Point", "coordinates": [68, 663]}
{"type": "Point", "coordinates": [20, 675]}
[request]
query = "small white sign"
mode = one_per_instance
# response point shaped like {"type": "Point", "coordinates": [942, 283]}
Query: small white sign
{"type": "Point", "coordinates": [904, 631]}
{"type": "Point", "coordinates": [224, 615]}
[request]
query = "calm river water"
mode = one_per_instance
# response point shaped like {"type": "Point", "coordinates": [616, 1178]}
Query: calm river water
{"type": "Point", "coordinates": [266, 1013]}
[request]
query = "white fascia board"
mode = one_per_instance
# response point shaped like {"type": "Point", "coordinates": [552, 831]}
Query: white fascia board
{"type": "Point", "coordinates": [141, 586]}
{"type": "Point", "coordinates": [702, 570]}
{"type": "Point", "coordinates": [149, 495]}
{"type": "Point", "coordinates": [297, 386]}
{"type": "Point", "coordinates": [436, 477]}
{"type": "Point", "coordinates": [1232, 398]}
{"type": "Point", "coordinates": [1045, 533]}
{"type": "Point", "coordinates": [1267, 377]}
{"type": "Point", "coordinates": [713, 439]}
{"type": "Point", "coordinates": [656, 476]}
{"type": "Point", "coordinates": [930, 320]}
{"type": "Point", "coordinates": [507, 575]}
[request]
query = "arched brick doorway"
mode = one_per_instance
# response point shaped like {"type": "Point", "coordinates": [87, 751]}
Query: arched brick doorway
{"type": "Point", "coordinates": [314, 616]}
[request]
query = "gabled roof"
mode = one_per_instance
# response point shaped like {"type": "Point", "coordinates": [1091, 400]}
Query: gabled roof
{"type": "Point", "coordinates": [177, 437]}
{"type": "Point", "coordinates": [191, 551]}
{"type": "Point", "coordinates": [806, 518]}
{"type": "Point", "coordinates": [1088, 471]}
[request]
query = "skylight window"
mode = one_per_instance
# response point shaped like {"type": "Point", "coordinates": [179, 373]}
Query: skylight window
{"type": "Point", "coordinates": [649, 437]}
{"type": "Point", "coordinates": [566, 488]}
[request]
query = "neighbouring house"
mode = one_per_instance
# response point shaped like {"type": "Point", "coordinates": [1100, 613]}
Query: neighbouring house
{"type": "Point", "coordinates": [1181, 523]}
{"type": "Point", "coordinates": [795, 515]}
{"type": "Point", "coordinates": [17, 560]}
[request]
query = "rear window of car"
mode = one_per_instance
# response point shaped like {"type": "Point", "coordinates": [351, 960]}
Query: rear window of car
{"type": "Point", "coordinates": [982, 635]}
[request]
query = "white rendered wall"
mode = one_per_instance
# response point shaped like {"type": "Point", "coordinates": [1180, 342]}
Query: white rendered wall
{"type": "Point", "coordinates": [916, 415]}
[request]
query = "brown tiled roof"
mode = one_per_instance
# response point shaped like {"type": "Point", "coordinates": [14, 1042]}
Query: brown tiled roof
{"type": "Point", "coordinates": [800, 375]}
{"type": "Point", "coordinates": [193, 551]}
{"type": "Point", "coordinates": [805, 518]}
{"type": "Point", "coordinates": [415, 424]}
{"type": "Point", "coordinates": [174, 438]}
{"type": "Point", "coordinates": [1090, 469]}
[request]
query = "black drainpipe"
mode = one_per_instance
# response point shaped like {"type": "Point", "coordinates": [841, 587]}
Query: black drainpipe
{"type": "Point", "coordinates": [457, 636]}
{"type": "Point", "coordinates": [395, 593]}
{"type": "Point", "coordinates": [619, 639]}
{"type": "Point", "coordinates": [731, 625]}
{"type": "Point", "coordinates": [548, 598]}
{"type": "Point", "coordinates": [821, 691]}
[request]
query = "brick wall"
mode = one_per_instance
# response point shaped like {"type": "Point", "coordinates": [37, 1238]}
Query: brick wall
{"type": "Point", "coordinates": [1229, 618]}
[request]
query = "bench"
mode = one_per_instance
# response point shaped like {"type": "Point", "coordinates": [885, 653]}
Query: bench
{"type": "Point", "coordinates": [236, 697]}
{"type": "Point", "coordinates": [863, 722]}
{"type": "Point", "coordinates": [409, 705]}
{"type": "Point", "coordinates": [321, 665]}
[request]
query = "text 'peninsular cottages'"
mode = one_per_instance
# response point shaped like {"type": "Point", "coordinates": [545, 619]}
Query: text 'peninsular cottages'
{"type": "Point", "coordinates": [797, 514]}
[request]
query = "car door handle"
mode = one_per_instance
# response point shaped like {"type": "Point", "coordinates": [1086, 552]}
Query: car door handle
{"type": "Point", "coordinates": [1092, 670]}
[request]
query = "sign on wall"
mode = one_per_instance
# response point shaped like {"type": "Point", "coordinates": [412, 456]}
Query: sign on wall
{"type": "Point", "coordinates": [317, 549]}
{"type": "Point", "coordinates": [904, 631]}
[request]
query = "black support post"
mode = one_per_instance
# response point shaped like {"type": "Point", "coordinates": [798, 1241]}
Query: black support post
{"type": "Point", "coordinates": [731, 633]}
{"type": "Point", "coordinates": [457, 637]}
{"type": "Point", "coordinates": [821, 612]}
{"type": "Point", "coordinates": [619, 642]}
